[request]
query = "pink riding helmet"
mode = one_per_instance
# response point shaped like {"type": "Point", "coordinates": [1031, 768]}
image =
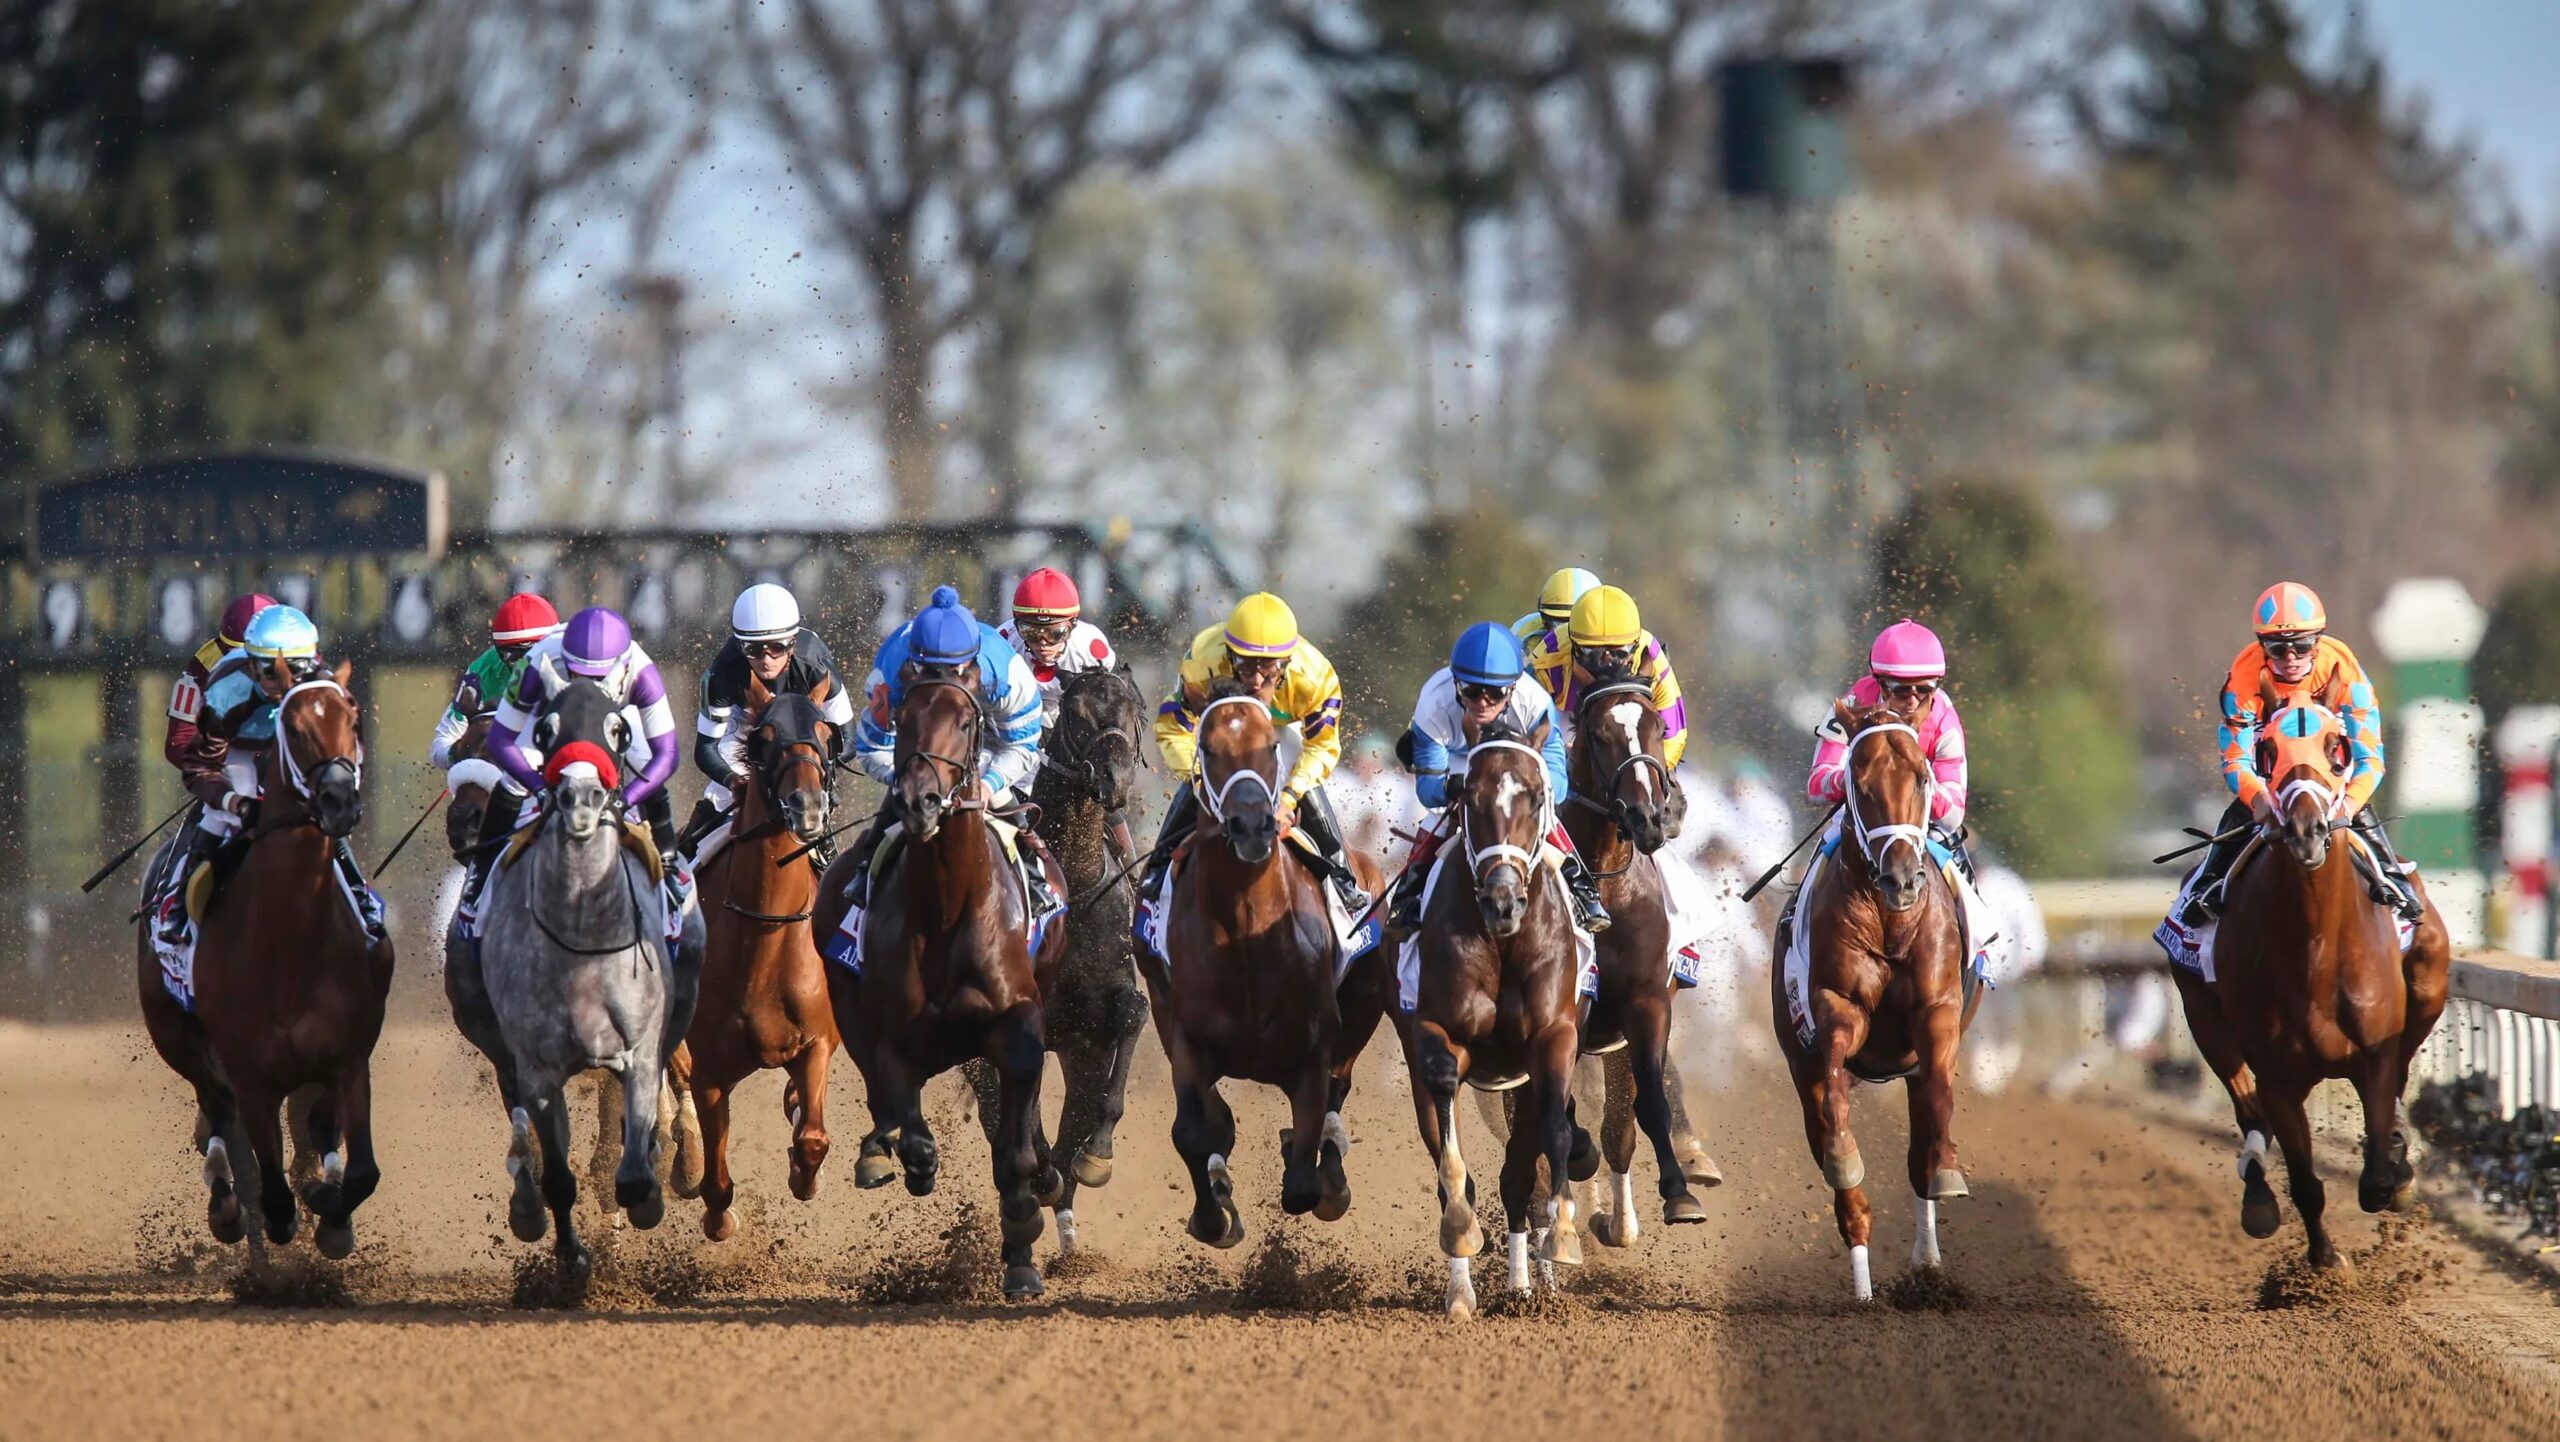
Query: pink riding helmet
{"type": "Point", "coordinates": [1907, 651]}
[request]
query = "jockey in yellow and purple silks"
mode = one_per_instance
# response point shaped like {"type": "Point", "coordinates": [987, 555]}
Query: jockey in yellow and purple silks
{"type": "Point", "coordinates": [1606, 629]}
{"type": "Point", "coordinates": [1556, 600]}
{"type": "Point", "coordinates": [2295, 662]}
{"type": "Point", "coordinates": [1259, 646]}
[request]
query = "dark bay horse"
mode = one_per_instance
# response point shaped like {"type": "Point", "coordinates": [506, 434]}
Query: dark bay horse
{"type": "Point", "coordinates": [2311, 984]}
{"type": "Point", "coordinates": [948, 973]}
{"type": "Point", "coordinates": [1618, 817]}
{"type": "Point", "coordinates": [1495, 1007]}
{"type": "Point", "coordinates": [764, 986]}
{"type": "Point", "coordinates": [289, 988]}
{"type": "Point", "coordinates": [1095, 1012]}
{"type": "Point", "coordinates": [1883, 994]}
{"type": "Point", "coordinates": [1254, 987]}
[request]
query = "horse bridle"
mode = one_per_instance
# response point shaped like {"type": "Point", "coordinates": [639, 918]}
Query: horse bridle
{"type": "Point", "coordinates": [1504, 851]}
{"type": "Point", "coordinates": [964, 772]}
{"type": "Point", "coordinates": [1875, 841]}
{"type": "Point", "coordinates": [1215, 800]}
{"type": "Point", "coordinates": [1642, 757]}
{"type": "Point", "coordinates": [1082, 765]}
{"type": "Point", "coordinates": [292, 766]}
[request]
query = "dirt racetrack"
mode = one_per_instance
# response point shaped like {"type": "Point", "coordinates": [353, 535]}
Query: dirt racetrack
{"type": "Point", "coordinates": [2108, 1293]}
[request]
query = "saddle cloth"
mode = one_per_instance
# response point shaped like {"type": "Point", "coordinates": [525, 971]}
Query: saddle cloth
{"type": "Point", "coordinates": [1586, 947]}
{"type": "Point", "coordinates": [177, 958]}
{"type": "Point", "coordinates": [636, 840]}
{"type": "Point", "coordinates": [844, 945]}
{"type": "Point", "coordinates": [2190, 948]}
{"type": "Point", "coordinates": [1358, 936]}
{"type": "Point", "coordinates": [1982, 935]}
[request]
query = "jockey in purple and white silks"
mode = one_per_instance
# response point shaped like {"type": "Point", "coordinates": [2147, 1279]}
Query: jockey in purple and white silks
{"type": "Point", "coordinates": [595, 646]}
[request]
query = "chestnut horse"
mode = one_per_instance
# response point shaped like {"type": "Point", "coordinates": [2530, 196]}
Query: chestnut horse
{"type": "Point", "coordinates": [2311, 984]}
{"type": "Point", "coordinates": [764, 986]}
{"type": "Point", "coordinates": [1495, 1006]}
{"type": "Point", "coordinates": [1618, 817]}
{"type": "Point", "coordinates": [948, 973]}
{"type": "Point", "coordinates": [1254, 985]}
{"type": "Point", "coordinates": [288, 986]}
{"type": "Point", "coordinates": [1883, 994]}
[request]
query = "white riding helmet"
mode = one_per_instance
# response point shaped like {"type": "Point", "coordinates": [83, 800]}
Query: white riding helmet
{"type": "Point", "coordinates": [764, 612]}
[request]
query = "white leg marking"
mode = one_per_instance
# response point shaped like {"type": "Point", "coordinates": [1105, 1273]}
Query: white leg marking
{"type": "Point", "coordinates": [1622, 1203]}
{"type": "Point", "coordinates": [519, 1142]}
{"type": "Point", "coordinates": [1066, 1231]}
{"type": "Point", "coordinates": [794, 1113]}
{"type": "Point", "coordinates": [1516, 1247]}
{"type": "Point", "coordinates": [1462, 1290]}
{"type": "Point", "coordinates": [2253, 1148]}
{"type": "Point", "coordinates": [1336, 1133]}
{"type": "Point", "coordinates": [1861, 1284]}
{"type": "Point", "coordinates": [217, 1164]}
{"type": "Point", "coordinates": [1924, 1235]}
{"type": "Point", "coordinates": [1217, 1164]}
{"type": "Point", "coordinates": [333, 1167]}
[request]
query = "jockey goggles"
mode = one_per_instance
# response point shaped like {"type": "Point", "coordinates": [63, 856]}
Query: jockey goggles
{"type": "Point", "coordinates": [1052, 629]}
{"type": "Point", "coordinates": [1911, 690]}
{"type": "Point", "coordinates": [1472, 691]}
{"type": "Point", "coordinates": [767, 648]}
{"type": "Point", "coordinates": [2300, 645]}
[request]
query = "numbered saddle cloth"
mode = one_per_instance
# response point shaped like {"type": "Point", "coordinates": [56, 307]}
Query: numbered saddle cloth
{"type": "Point", "coordinates": [1982, 935]}
{"type": "Point", "coordinates": [2190, 948]}
{"type": "Point", "coordinates": [1357, 936]}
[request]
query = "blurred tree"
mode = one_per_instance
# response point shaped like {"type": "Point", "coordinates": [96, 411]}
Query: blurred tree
{"type": "Point", "coordinates": [1453, 570]}
{"type": "Point", "coordinates": [1981, 564]}
{"type": "Point", "coordinates": [936, 135]}
{"type": "Point", "coordinates": [201, 206]}
{"type": "Point", "coordinates": [2518, 663]}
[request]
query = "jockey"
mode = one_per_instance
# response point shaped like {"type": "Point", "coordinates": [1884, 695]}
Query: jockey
{"type": "Point", "coordinates": [1555, 603]}
{"type": "Point", "coordinates": [1606, 628]}
{"type": "Point", "coordinates": [1260, 647]}
{"type": "Point", "coordinates": [595, 646]}
{"type": "Point", "coordinates": [944, 634]}
{"type": "Point", "coordinates": [205, 780]}
{"type": "Point", "coordinates": [2296, 662]}
{"type": "Point", "coordinates": [1481, 684]}
{"type": "Point", "coordinates": [768, 643]}
{"type": "Point", "coordinates": [1904, 669]}
{"type": "Point", "coordinates": [235, 725]}
{"type": "Point", "coordinates": [1049, 631]}
{"type": "Point", "coordinates": [520, 621]}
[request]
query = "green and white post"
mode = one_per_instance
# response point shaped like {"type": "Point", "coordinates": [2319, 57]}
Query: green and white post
{"type": "Point", "coordinates": [2428, 628]}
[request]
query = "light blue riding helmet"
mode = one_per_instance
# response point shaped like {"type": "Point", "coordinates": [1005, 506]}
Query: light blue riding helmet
{"type": "Point", "coordinates": [1487, 654]}
{"type": "Point", "coordinates": [281, 630]}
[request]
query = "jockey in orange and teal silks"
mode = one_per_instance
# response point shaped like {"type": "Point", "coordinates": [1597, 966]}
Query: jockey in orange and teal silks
{"type": "Point", "coordinates": [2294, 662]}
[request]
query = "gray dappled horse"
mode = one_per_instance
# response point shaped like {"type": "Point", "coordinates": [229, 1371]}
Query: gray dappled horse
{"type": "Point", "coordinates": [572, 973]}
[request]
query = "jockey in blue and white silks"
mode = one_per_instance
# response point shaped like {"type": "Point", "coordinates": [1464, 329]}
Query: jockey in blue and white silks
{"type": "Point", "coordinates": [944, 634]}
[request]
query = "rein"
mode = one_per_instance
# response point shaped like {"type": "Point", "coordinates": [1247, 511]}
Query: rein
{"type": "Point", "coordinates": [1502, 851]}
{"type": "Point", "coordinates": [964, 773]}
{"type": "Point", "coordinates": [631, 891]}
{"type": "Point", "coordinates": [1215, 801]}
{"type": "Point", "coordinates": [1609, 810]}
{"type": "Point", "coordinates": [1875, 841]}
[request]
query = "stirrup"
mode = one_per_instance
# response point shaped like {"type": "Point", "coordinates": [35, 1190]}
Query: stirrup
{"type": "Point", "coordinates": [1590, 914]}
{"type": "Point", "coordinates": [2202, 907]}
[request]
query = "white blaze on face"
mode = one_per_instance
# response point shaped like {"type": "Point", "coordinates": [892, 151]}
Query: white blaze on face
{"type": "Point", "coordinates": [1507, 792]}
{"type": "Point", "coordinates": [1628, 716]}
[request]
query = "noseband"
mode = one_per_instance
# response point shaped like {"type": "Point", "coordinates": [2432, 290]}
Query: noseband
{"type": "Point", "coordinates": [351, 766]}
{"type": "Point", "coordinates": [963, 772]}
{"type": "Point", "coordinates": [1503, 851]}
{"type": "Point", "coordinates": [1876, 841]}
{"type": "Point", "coordinates": [1583, 735]}
{"type": "Point", "coordinates": [1214, 799]}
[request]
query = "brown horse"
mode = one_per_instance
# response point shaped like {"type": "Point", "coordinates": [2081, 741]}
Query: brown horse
{"type": "Point", "coordinates": [288, 986]}
{"type": "Point", "coordinates": [947, 970]}
{"type": "Point", "coordinates": [2311, 985]}
{"type": "Point", "coordinates": [1883, 994]}
{"type": "Point", "coordinates": [1495, 1007]}
{"type": "Point", "coordinates": [764, 987]}
{"type": "Point", "coordinates": [1618, 817]}
{"type": "Point", "coordinates": [1254, 985]}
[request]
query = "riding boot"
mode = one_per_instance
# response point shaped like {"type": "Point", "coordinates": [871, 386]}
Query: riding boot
{"type": "Point", "coordinates": [2204, 894]}
{"type": "Point", "coordinates": [867, 846]}
{"type": "Point", "coordinates": [1404, 894]}
{"type": "Point", "coordinates": [201, 845]}
{"type": "Point", "coordinates": [2404, 897]}
{"type": "Point", "coordinates": [497, 822]}
{"type": "Point", "coordinates": [1316, 818]}
{"type": "Point", "coordinates": [1584, 888]}
{"type": "Point", "coordinates": [1959, 845]}
{"type": "Point", "coordinates": [1180, 816]}
{"type": "Point", "coordinates": [369, 908]}
{"type": "Point", "coordinates": [706, 818]}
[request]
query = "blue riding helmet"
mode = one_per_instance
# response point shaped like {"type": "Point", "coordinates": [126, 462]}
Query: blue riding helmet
{"type": "Point", "coordinates": [1487, 654]}
{"type": "Point", "coordinates": [944, 632]}
{"type": "Point", "coordinates": [281, 631]}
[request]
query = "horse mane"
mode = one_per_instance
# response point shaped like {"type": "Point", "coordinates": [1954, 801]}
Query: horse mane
{"type": "Point", "coordinates": [1224, 688]}
{"type": "Point", "coordinates": [1502, 728]}
{"type": "Point", "coordinates": [796, 716]}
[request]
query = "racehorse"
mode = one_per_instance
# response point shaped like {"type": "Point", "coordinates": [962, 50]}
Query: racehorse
{"type": "Point", "coordinates": [1095, 1012]}
{"type": "Point", "coordinates": [1254, 985]}
{"type": "Point", "coordinates": [948, 969]}
{"type": "Point", "coordinates": [1618, 816]}
{"type": "Point", "coordinates": [1883, 993]}
{"type": "Point", "coordinates": [1495, 1006]}
{"type": "Point", "coordinates": [764, 986]}
{"type": "Point", "coordinates": [573, 971]}
{"type": "Point", "coordinates": [288, 986]}
{"type": "Point", "coordinates": [2312, 983]}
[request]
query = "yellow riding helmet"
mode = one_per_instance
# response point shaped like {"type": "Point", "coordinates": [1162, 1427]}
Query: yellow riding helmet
{"type": "Point", "coordinates": [1605, 617]}
{"type": "Point", "coordinates": [1262, 625]}
{"type": "Point", "coordinates": [1556, 598]}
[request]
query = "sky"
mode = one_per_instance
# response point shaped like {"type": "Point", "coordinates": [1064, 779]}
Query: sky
{"type": "Point", "coordinates": [2490, 71]}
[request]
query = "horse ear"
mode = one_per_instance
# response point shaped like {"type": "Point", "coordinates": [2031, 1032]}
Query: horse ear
{"type": "Point", "coordinates": [346, 672]}
{"type": "Point", "coordinates": [1845, 716]}
{"type": "Point", "coordinates": [282, 670]}
{"type": "Point", "coordinates": [759, 695]}
{"type": "Point", "coordinates": [825, 688]}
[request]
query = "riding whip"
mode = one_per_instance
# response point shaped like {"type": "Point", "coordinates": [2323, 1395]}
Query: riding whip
{"type": "Point", "coordinates": [2234, 834]}
{"type": "Point", "coordinates": [789, 857]}
{"type": "Point", "coordinates": [385, 863]}
{"type": "Point", "coordinates": [1755, 888]}
{"type": "Point", "coordinates": [121, 857]}
{"type": "Point", "coordinates": [1103, 887]}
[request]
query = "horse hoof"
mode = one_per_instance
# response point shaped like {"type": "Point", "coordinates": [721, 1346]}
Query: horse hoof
{"type": "Point", "coordinates": [721, 1225]}
{"type": "Point", "coordinates": [1582, 1162]}
{"type": "Point", "coordinates": [284, 1223]}
{"type": "Point", "coordinates": [1681, 1210]}
{"type": "Point", "coordinates": [1022, 1283]}
{"type": "Point", "coordinates": [1946, 1184]}
{"type": "Point", "coordinates": [1459, 1234]}
{"type": "Point", "coordinates": [1090, 1170]}
{"type": "Point", "coordinates": [874, 1170]}
{"type": "Point", "coordinates": [222, 1216]}
{"type": "Point", "coordinates": [1333, 1189]}
{"type": "Point", "coordinates": [1562, 1245]}
{"type": "Point", "coordinates": [649, 1209]}
{"type": "Point", "coordinates": [336, 1240]}
{"type": "Point", "coordinates": [577, 1269]}
{"type": "Point", "coordinates": [923, 1160]}
{"type": "Point", "coordinates": [1050, 1187]}
{"type": "Point", "coordinates": [1844, 1170]}
{"type": "Point", "coordinates": [322, 1198]}
{"type": "Point", "coordinates": [1604, 1230]}
{"type": "Point", "coordinates": [1700, 1169]}
{"type": "Point", "coordinates": [2259, 1215]}
{"type": "Point", "coordinates": [525, 1216]}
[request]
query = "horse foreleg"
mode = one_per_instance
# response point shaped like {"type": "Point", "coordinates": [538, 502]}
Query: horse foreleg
{"type": "Point", "coordinates": [1553, 1133]}
{"type": "Point", "coordinates": [1093, 1155]}
{"type": "Point", "coordinates": [1931, 1092]}
{"type": "Point", "coordinates": [2284, 1110]}
{"type": "Point", "coordinates": [1016, 1050]}
{"type": "Point", "coordinates": [635, 1180]}
{"type": "Point", "coordinates": [2385, 1182]}
{"type": "Point", "coordinates": [808, 1112]}
{"type": "Point", "coordinates": [261, 1117]}
{"type": "Point", "coordinates": [2221, 1052]}
{"type": "Point", "coordinates": [719, 1189]}
{"type": "Point", "coordinates": [1822, 1085]}
{"type": "Point", "coordinates": [550, 1109]}
{"type": "Point", "coordinates": [217, 1125]}
{"type": "Point", "coordinates": [685, 1174]}
{"type": "Point", "coordinates": [1696, 1163]}
{"type": "Point", "coordinates": [1648, 1062]}
{"type": "Point", "coordinates": [348, 1173]}
{"type": "Point", "coordinates": [1301, 1189]}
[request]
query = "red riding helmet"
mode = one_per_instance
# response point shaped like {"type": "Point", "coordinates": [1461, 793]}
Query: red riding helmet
{"type": "Point", "coordinates": [522, 620]}
{"type": "Point", "coordinates": [1047, 595]}
{"type": "Point", "coordinates": [237, 615]}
